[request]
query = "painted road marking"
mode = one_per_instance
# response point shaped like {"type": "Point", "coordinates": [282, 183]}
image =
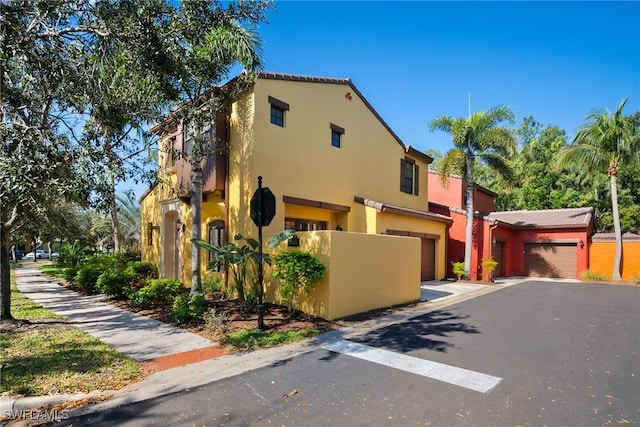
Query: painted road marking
{"type": "Point", "coordinates": [438, 371]}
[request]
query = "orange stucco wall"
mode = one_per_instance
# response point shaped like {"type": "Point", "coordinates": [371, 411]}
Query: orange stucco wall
{"type": "Point", "coordinates": [602, 255]}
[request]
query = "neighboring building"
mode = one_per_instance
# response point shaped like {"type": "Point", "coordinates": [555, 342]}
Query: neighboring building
{"type": "Point", "coordinates": [544, 243]}
{"type": "Point", "coordinates": [330, 159]}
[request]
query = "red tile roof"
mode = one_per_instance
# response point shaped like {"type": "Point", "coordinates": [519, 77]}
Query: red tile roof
{"type": "Point", "coordinates": [611, 236]}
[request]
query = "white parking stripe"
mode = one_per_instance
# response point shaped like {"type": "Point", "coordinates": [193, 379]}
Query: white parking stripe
{"type": "Point", "coordinates": [438, 371]}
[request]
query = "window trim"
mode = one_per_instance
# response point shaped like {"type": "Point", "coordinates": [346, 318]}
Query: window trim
{"type": "Point", "coordinates": [336, 130]}
{"type": "Point", "coordinates": [280, 106]}
{"type": "Point", "coordinates": [415, 176]}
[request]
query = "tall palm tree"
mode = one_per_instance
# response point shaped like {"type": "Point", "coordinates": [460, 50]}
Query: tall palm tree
{"type": "Point", "coordinates": [606, 142]}
{"type": "Point", "coordinates": [478, 138]}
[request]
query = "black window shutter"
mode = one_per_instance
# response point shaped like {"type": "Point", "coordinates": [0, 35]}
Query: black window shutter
{"type": "Point", "coordinates": [416, 179]}
{"type": "Point", "coordinates": [403, 176]}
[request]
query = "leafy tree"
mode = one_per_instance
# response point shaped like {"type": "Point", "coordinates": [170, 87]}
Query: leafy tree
{"type": "Point", "coordinates": [122, 97]}
{"type": "Point", "coordinates": [196, 48]}
{"type": "Point", "coordinates": [539, 187]}
{"type": "Point", "coordinates": [42, 46]}
{"type": "Point", "coordinates": [476, 138]}
{"type": "Point", "coordinates": [606, 142]}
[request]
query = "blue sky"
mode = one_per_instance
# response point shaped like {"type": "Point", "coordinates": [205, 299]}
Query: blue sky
{"type": "Point", "coordinates": [413, 61]}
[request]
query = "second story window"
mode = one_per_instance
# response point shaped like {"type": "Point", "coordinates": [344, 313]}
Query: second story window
{"type": "Point", "coordinates": [409, 176]}
{"type": "Point", "coordinates": [188, 139]}
{"type": "Point", "coordinates": [278, 109]}
{"type": "Point", "coordinates": [169, 152]}
{"type": "Point", "coordinates": [336, 135]}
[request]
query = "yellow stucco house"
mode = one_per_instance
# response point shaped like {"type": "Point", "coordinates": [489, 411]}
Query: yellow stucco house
{"type": "Point", "coordinates": [355, 192]}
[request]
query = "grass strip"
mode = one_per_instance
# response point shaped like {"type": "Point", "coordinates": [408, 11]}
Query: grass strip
{"type": "Point", "coordinates": [253, 338]}
{"type": "Point", "coordinates": [47, 356]}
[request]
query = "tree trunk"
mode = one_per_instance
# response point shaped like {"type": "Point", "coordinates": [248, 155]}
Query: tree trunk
{"type": "Point", "coordinates": [616, 227]}
{"type": "Point", "coordinates": [114, 213]}
{"type": "Point", "coordinates": [468, 242]}
{"type": "Point", "coordinates": [5, 274]}
{"type": "Point", "coordinates": [196, 224]}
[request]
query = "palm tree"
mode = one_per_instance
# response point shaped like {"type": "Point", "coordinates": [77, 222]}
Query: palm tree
{"type": "Point", "coordinates": [130, 218]}
{"type": "Point", "coordinates": [225, 47]}
{"type": "Point", "coordinates": [477, 138]}
{"type": "Point", "coordinates": [606, 142]}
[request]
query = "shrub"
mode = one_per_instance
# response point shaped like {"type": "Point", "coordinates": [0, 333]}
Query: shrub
{"type": "Point", "coordinates": [124, 258]}
{"type": "Point", "coordinates": [458, 269]}
{"type": "Point", "coordinates": [70, 255]}
{"type": "Point", "coordinates": [298, 272]}
{"type": "Point", "coordinates": [636, 279]}
{"type": "Point", "coordinates": [70, 274]}
{"type": "Point", "coordinates": [212, 284]}
{"type": "Point", "coordinates": [158, 292]}
{"type": "Point", "coordinates": [214, 320]}
{"type": "Point", "coordinates": [489, 265]}
{"type": "Point", "coordinates": [143, 270]}
{"type": "Point", "coordinates": [187, 307]}
{"type": "Point", "coordinates": [87, 277]}
{"type": "Point", "coordinates": [592, 276]}
{"type": "Point", "coordinates": [197, 304]}
{"type": "Point", "coordinates": [104, 261]}
{"type": "Point", "coordinates": [116, 283]}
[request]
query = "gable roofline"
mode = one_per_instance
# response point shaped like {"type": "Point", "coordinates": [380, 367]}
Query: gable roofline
{"type": "Point", "coordinates": [270, 75]}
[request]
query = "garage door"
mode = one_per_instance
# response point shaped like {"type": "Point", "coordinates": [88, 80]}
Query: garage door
{"type": "Point", "coordinates": [428, 254]}
{"type": "Point", "coordinates": [551, 260]}
{"type": "Point", "coordinates": [498, 255]}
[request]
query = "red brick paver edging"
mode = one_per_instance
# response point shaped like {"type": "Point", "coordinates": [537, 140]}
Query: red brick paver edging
{"type": "Point", "coordinates": [169, 361]}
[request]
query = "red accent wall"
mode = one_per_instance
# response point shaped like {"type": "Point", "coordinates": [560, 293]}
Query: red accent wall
{"type": "Point", "coordinates": [453, 195]}
{"type": "Point", "coordinates": [450, 196]}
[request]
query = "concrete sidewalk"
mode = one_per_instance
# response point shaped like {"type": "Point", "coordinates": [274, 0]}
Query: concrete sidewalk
{"type": "Point", "coordinates": [145, 339]}
{"type": "Point", "coordinates": [139, 337]}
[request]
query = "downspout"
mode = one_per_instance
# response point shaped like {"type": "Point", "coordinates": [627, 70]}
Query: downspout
{"type": "Point", "coordinates": [446, 247]}
{"type": "Point", "coordinates": [493, 227]}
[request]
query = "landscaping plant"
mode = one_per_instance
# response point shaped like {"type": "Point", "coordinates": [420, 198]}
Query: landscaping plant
{"type": "Point", "coordinates": [187, 307]}
{"type": "Point", "coordinates": [157, 292]}
{"type": "Point", "coordinates": [242, 256]}
{"type": "Point", "coordinates": [115, 283]}
{"type": "Point", "coordinates": [297, 272]}
{"type": "Point", "coordinates": [490, 265]}
{"type": "Point", "coordinates": [458, 269]}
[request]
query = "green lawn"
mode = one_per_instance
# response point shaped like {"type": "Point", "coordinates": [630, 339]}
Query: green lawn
{"type": "Point", "coordinates": [47, 356]}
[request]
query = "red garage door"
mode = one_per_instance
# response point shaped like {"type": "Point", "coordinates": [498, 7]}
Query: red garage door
{"type": "Point", "coordinates": [551, 260]}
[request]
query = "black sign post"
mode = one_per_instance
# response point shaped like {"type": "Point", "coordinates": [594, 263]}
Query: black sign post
{"type": "Point", "coordinates": [263, 209]}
